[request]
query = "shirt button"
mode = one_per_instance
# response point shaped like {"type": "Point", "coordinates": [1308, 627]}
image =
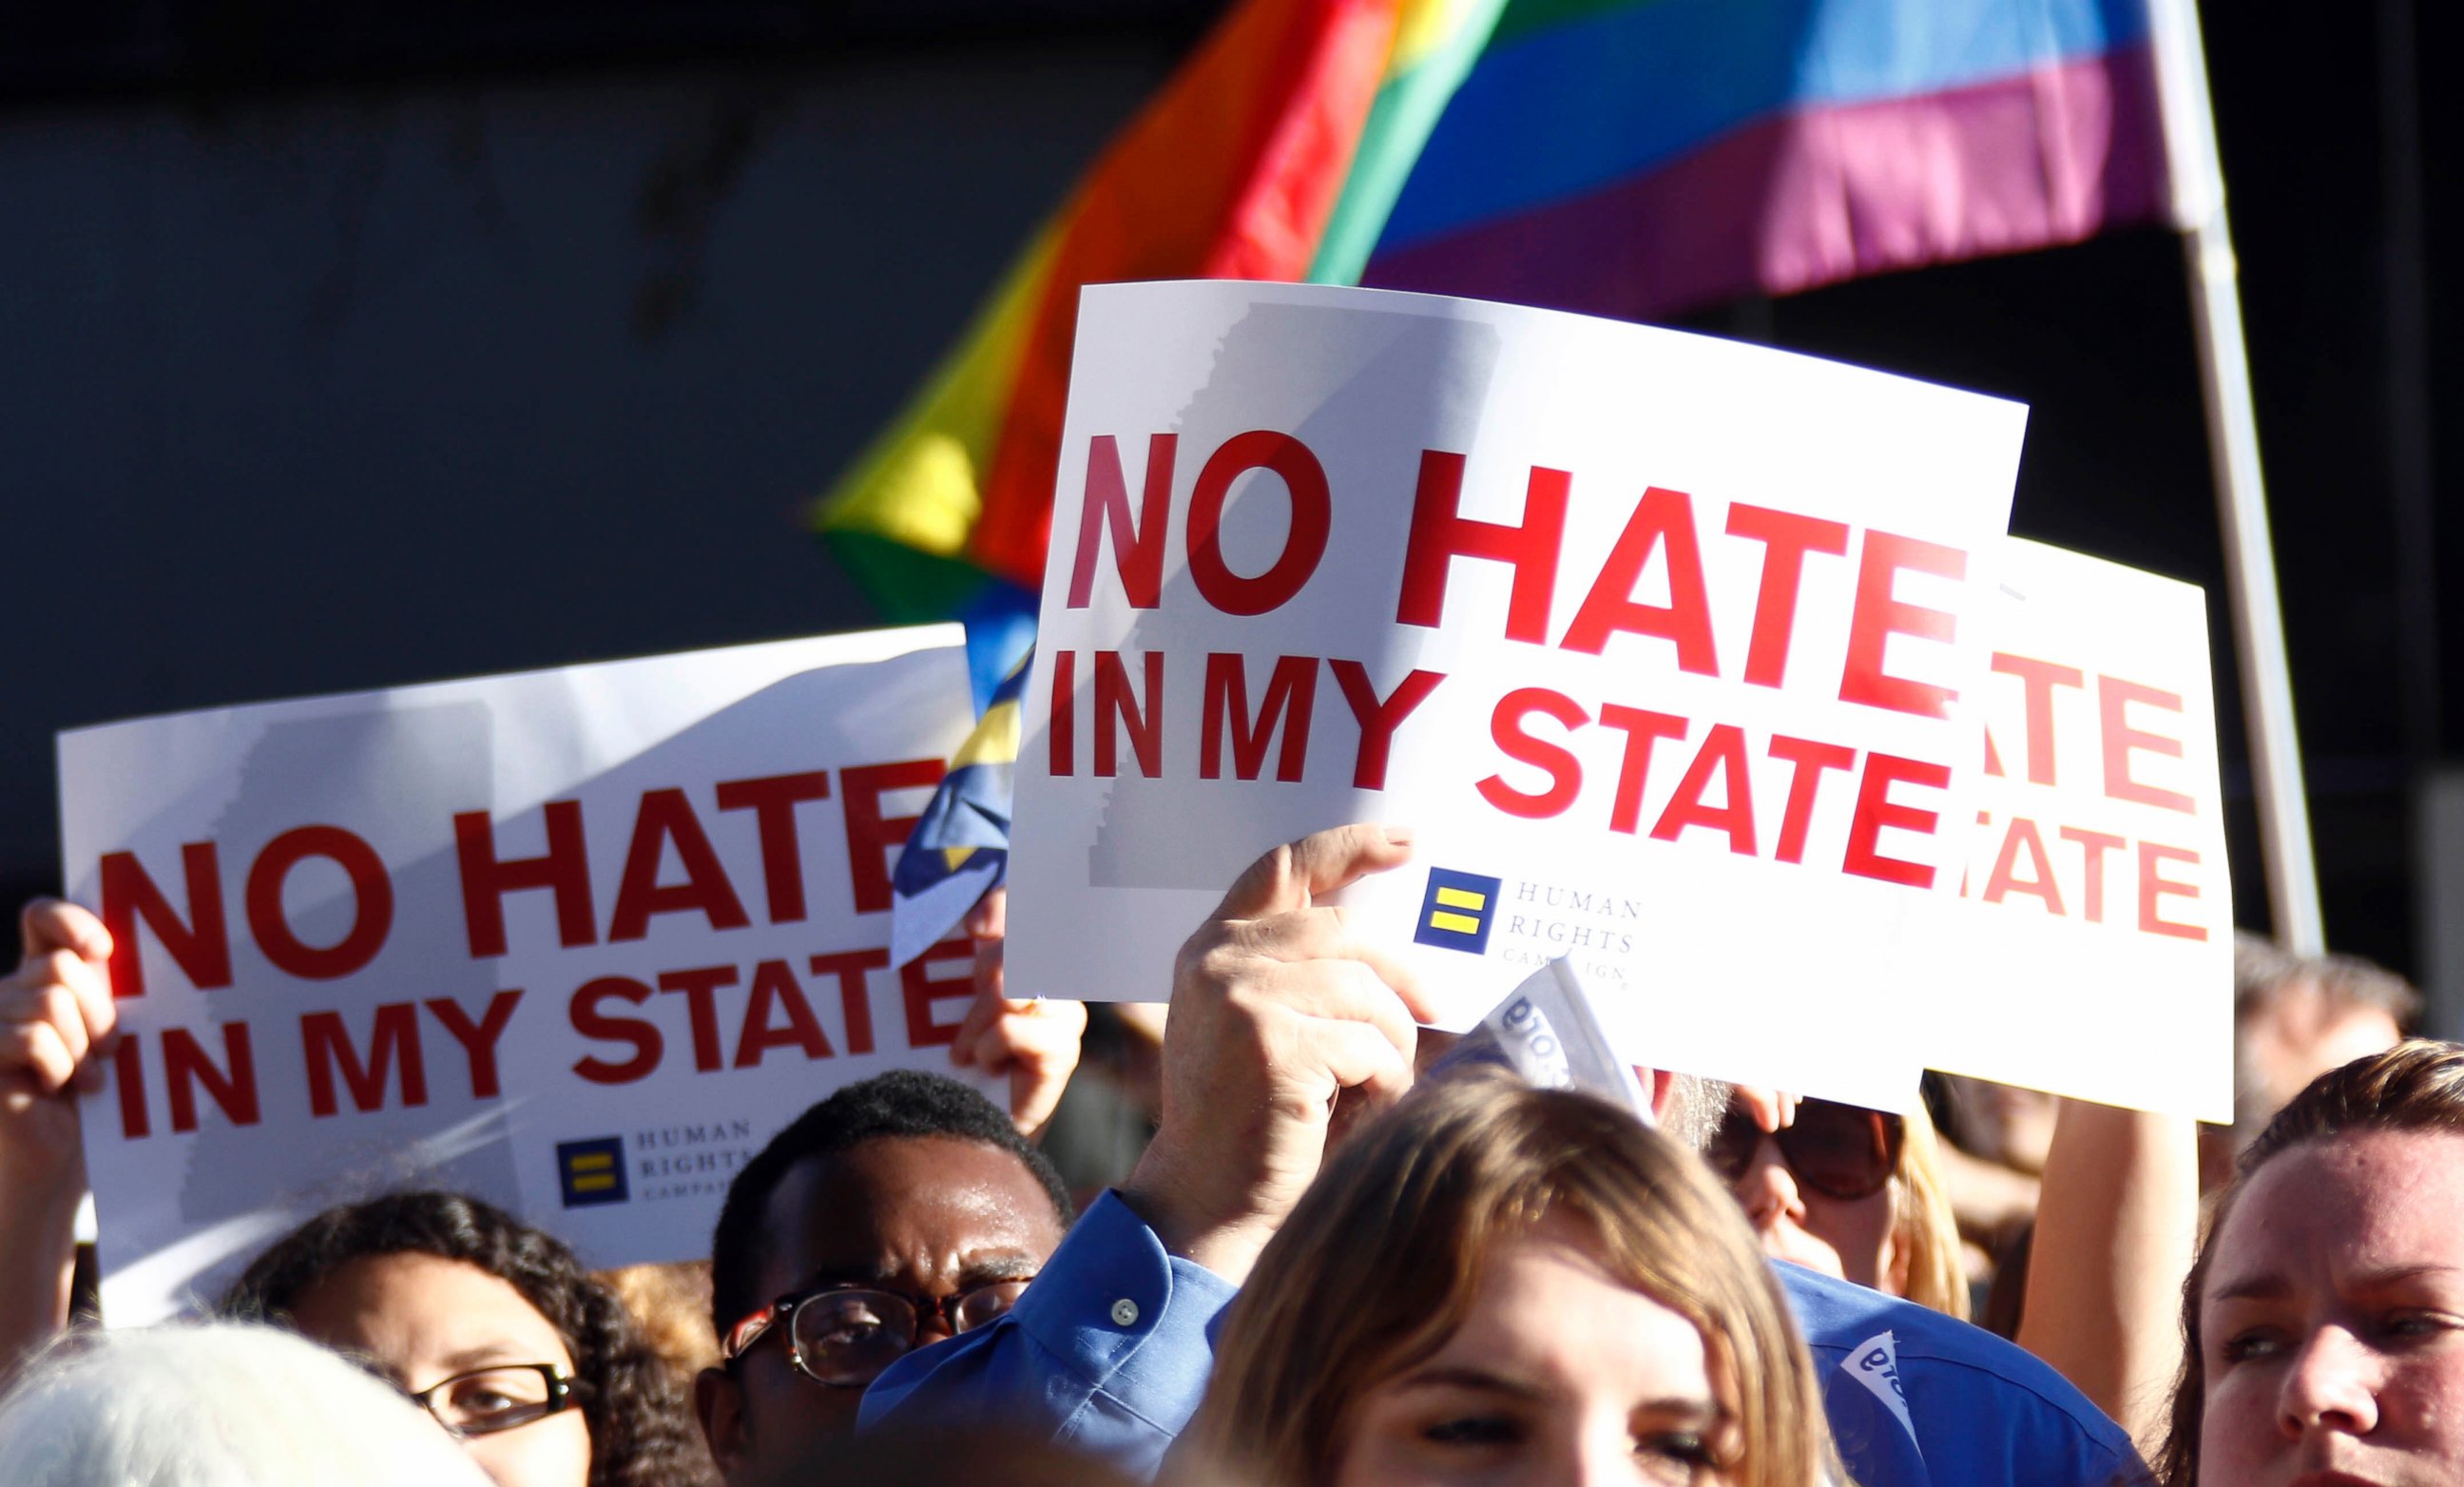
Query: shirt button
{"type": "Point", "coordinates": [1125, 1313]}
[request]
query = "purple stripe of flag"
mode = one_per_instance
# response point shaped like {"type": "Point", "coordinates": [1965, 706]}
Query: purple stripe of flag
{"type": "Point", "coordinates": [2048, 156]}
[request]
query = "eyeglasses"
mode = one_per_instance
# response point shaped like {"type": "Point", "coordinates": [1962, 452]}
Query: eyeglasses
{"type": "Point", "coordinates": [844, 1336]}
{"type": "Point", "coordinates": [505, 1397]}
{"type": "Point", "coordinates": [1840, 1151]}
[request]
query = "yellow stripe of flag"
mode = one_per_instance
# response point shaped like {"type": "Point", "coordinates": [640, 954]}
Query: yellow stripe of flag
{"type": "Point", "coordinates": [995, 741]}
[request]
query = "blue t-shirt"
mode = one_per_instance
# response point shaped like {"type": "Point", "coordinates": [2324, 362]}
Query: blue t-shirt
{"type": "Point", "coordinates": [1110, 1350]}
{"type": "Point", "coordinates": [1919, 1398]}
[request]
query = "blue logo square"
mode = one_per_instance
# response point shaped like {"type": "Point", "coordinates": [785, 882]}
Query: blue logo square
{"type": "Point", "coordinates": [1457, 911]}
{"type": "Point", "coordinates": [591, 1172]}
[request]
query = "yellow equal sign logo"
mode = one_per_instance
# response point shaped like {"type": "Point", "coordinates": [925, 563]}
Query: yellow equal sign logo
{"type": "Point", "coordinates": [1449, 899]}
{"type": "Point", "coordinates": [591, 1171]}
{"type": "Point", "coordinates": [1458, 910]}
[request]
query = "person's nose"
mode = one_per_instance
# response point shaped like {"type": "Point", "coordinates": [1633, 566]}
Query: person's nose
{"type": "Point", "coordinates": [1602, 1453]}
{"type": "Point", "coordinates": [2332, 1384]}
{"type": "Point", "coordinates": [1769, 1191]}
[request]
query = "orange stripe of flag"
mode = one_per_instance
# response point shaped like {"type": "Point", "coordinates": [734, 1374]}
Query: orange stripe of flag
{"type": "Point", "coordinates": [1230, 173]}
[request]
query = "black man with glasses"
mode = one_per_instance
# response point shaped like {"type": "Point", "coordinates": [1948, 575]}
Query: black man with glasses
{"type": "Point", "coordinates": [897, 1212]}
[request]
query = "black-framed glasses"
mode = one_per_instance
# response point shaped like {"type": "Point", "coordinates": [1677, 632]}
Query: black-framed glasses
{"type": "Point", "coordinates": [844, 1336]}
{"type": "Point", "coordinates": [503, 1397]}
{"type": "Point", "coordinates": [1840, 1151]}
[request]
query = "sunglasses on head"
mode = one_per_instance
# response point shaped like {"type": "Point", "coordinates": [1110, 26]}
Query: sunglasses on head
{"type": "Point", "coordinates": [1840, 1151]}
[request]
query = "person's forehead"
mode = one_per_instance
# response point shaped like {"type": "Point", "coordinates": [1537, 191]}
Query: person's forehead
{"type": "Point", "coordinates": [900, 1204]}
{"type": "Point", "coordinates": [1549, 1311]}
{"type": "Point", "coordinates": [2366, 1200]}
{"type": "Point", "coordinates": [414, 1313]}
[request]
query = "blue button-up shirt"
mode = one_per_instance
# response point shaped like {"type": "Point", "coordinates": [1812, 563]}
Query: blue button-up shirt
{"type": "Point", "coordinates": [1108, 1352]}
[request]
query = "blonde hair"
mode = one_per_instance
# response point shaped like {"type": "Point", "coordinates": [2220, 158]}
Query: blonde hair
{"type": "Point", "coordinates": [1378, 1265]}
{"type": "Point", "coordinates": [1923, 1224]}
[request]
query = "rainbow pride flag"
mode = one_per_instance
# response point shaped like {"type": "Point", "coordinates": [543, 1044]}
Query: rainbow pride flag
{"type": "Point", "coordinates": [1630, 158]}
{"type": "Point", "coordinates": [1232, 172]}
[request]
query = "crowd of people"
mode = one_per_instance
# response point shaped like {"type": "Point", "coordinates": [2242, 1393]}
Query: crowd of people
{"type": "Point", "coordinates": [1325, 1269]}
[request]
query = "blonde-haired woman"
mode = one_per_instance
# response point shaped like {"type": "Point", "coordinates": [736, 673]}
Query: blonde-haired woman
{"type": "Point", "coordinates": [1851, 1193]}
{"type": "Point", "coordinates": [1494, 1282]}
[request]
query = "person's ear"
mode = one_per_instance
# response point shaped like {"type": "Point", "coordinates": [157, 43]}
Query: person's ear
{"type": "Point", "coordinates": [718, 1403]}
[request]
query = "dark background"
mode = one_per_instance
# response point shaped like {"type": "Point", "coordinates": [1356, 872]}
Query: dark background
{"type": "Point", "coordinates": [351, 346]}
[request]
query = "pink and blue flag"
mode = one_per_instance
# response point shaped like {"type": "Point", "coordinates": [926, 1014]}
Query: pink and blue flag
{"type": "Point", "coordinates": [1629, 158]}
{"type": "Point", "coordinates": [1641, 157]}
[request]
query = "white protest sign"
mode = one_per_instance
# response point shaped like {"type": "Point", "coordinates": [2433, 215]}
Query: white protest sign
{"type": "Point", "coordinates": [2094, 957]}
{"type": "Point", "coordinates": [1658, 642]}
{"type": "Point", "coordinates": [576, 942]}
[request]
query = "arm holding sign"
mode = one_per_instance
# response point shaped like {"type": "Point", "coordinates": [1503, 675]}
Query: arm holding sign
{"type": "Point", "coordinates": [2115, 1232]}
{"type": "Point", "coordinates": [56, 1025]}
{"type": "Point", "coordinates": [1285, 1028]}
{"type": "Point", "coordinates": [1280, 1018]}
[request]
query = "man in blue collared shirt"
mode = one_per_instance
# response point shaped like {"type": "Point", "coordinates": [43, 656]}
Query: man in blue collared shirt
{"type": "Point", "coordinates": [1277, 1012]}
{"type": "Point", "coordinates": [898, 1210]}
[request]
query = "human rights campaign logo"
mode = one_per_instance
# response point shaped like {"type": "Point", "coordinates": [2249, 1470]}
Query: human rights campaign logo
{"type": "Point", "coordinates": [1455, 913]}
{"type": "Point", "coordinates": [591, 1171]}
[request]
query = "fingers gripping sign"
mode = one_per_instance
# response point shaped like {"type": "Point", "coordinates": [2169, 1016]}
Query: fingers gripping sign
{"type": "Point", "coordinates": [57, 1027]}
{"type": "Point", "coordinates": [1278, 1009]}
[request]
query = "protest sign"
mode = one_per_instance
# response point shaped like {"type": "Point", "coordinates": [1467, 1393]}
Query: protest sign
{"type": "Point", "coordinates": [2093, 955]}
{"type": "Point", "coordinates": [576, 942]}
{"type": "Point", "coordinates": [1659, 643]}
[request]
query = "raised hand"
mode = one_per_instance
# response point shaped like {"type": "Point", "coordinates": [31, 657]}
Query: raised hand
{"type": "Point", "coordinates": [1278, 1008]}
{"type": "Point", "coordinates": [57, 1027]}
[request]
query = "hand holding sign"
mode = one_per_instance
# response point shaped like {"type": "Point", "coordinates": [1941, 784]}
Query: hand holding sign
{"type": "Point", "coordinates": [1277, 1009]}
{"type": "Point", "coordinates": [56, 1025]}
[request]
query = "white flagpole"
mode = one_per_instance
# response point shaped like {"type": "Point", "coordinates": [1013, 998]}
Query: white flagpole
{"type": "Point", "coordinates": [2241, 496]}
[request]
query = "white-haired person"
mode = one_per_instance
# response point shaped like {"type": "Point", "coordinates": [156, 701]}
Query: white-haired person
{"type": "Point", "coordinates": [489, 1323]}
{"type": "Point", "coordinates": [215, 1405]}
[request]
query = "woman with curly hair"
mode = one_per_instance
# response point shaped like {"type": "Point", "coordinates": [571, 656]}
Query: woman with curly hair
{"type": "Point", "coordinates": [495, 1328]}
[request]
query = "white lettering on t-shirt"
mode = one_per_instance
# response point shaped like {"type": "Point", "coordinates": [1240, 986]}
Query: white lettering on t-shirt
{"type": "Point", "coordinates": [1875, 1363]}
